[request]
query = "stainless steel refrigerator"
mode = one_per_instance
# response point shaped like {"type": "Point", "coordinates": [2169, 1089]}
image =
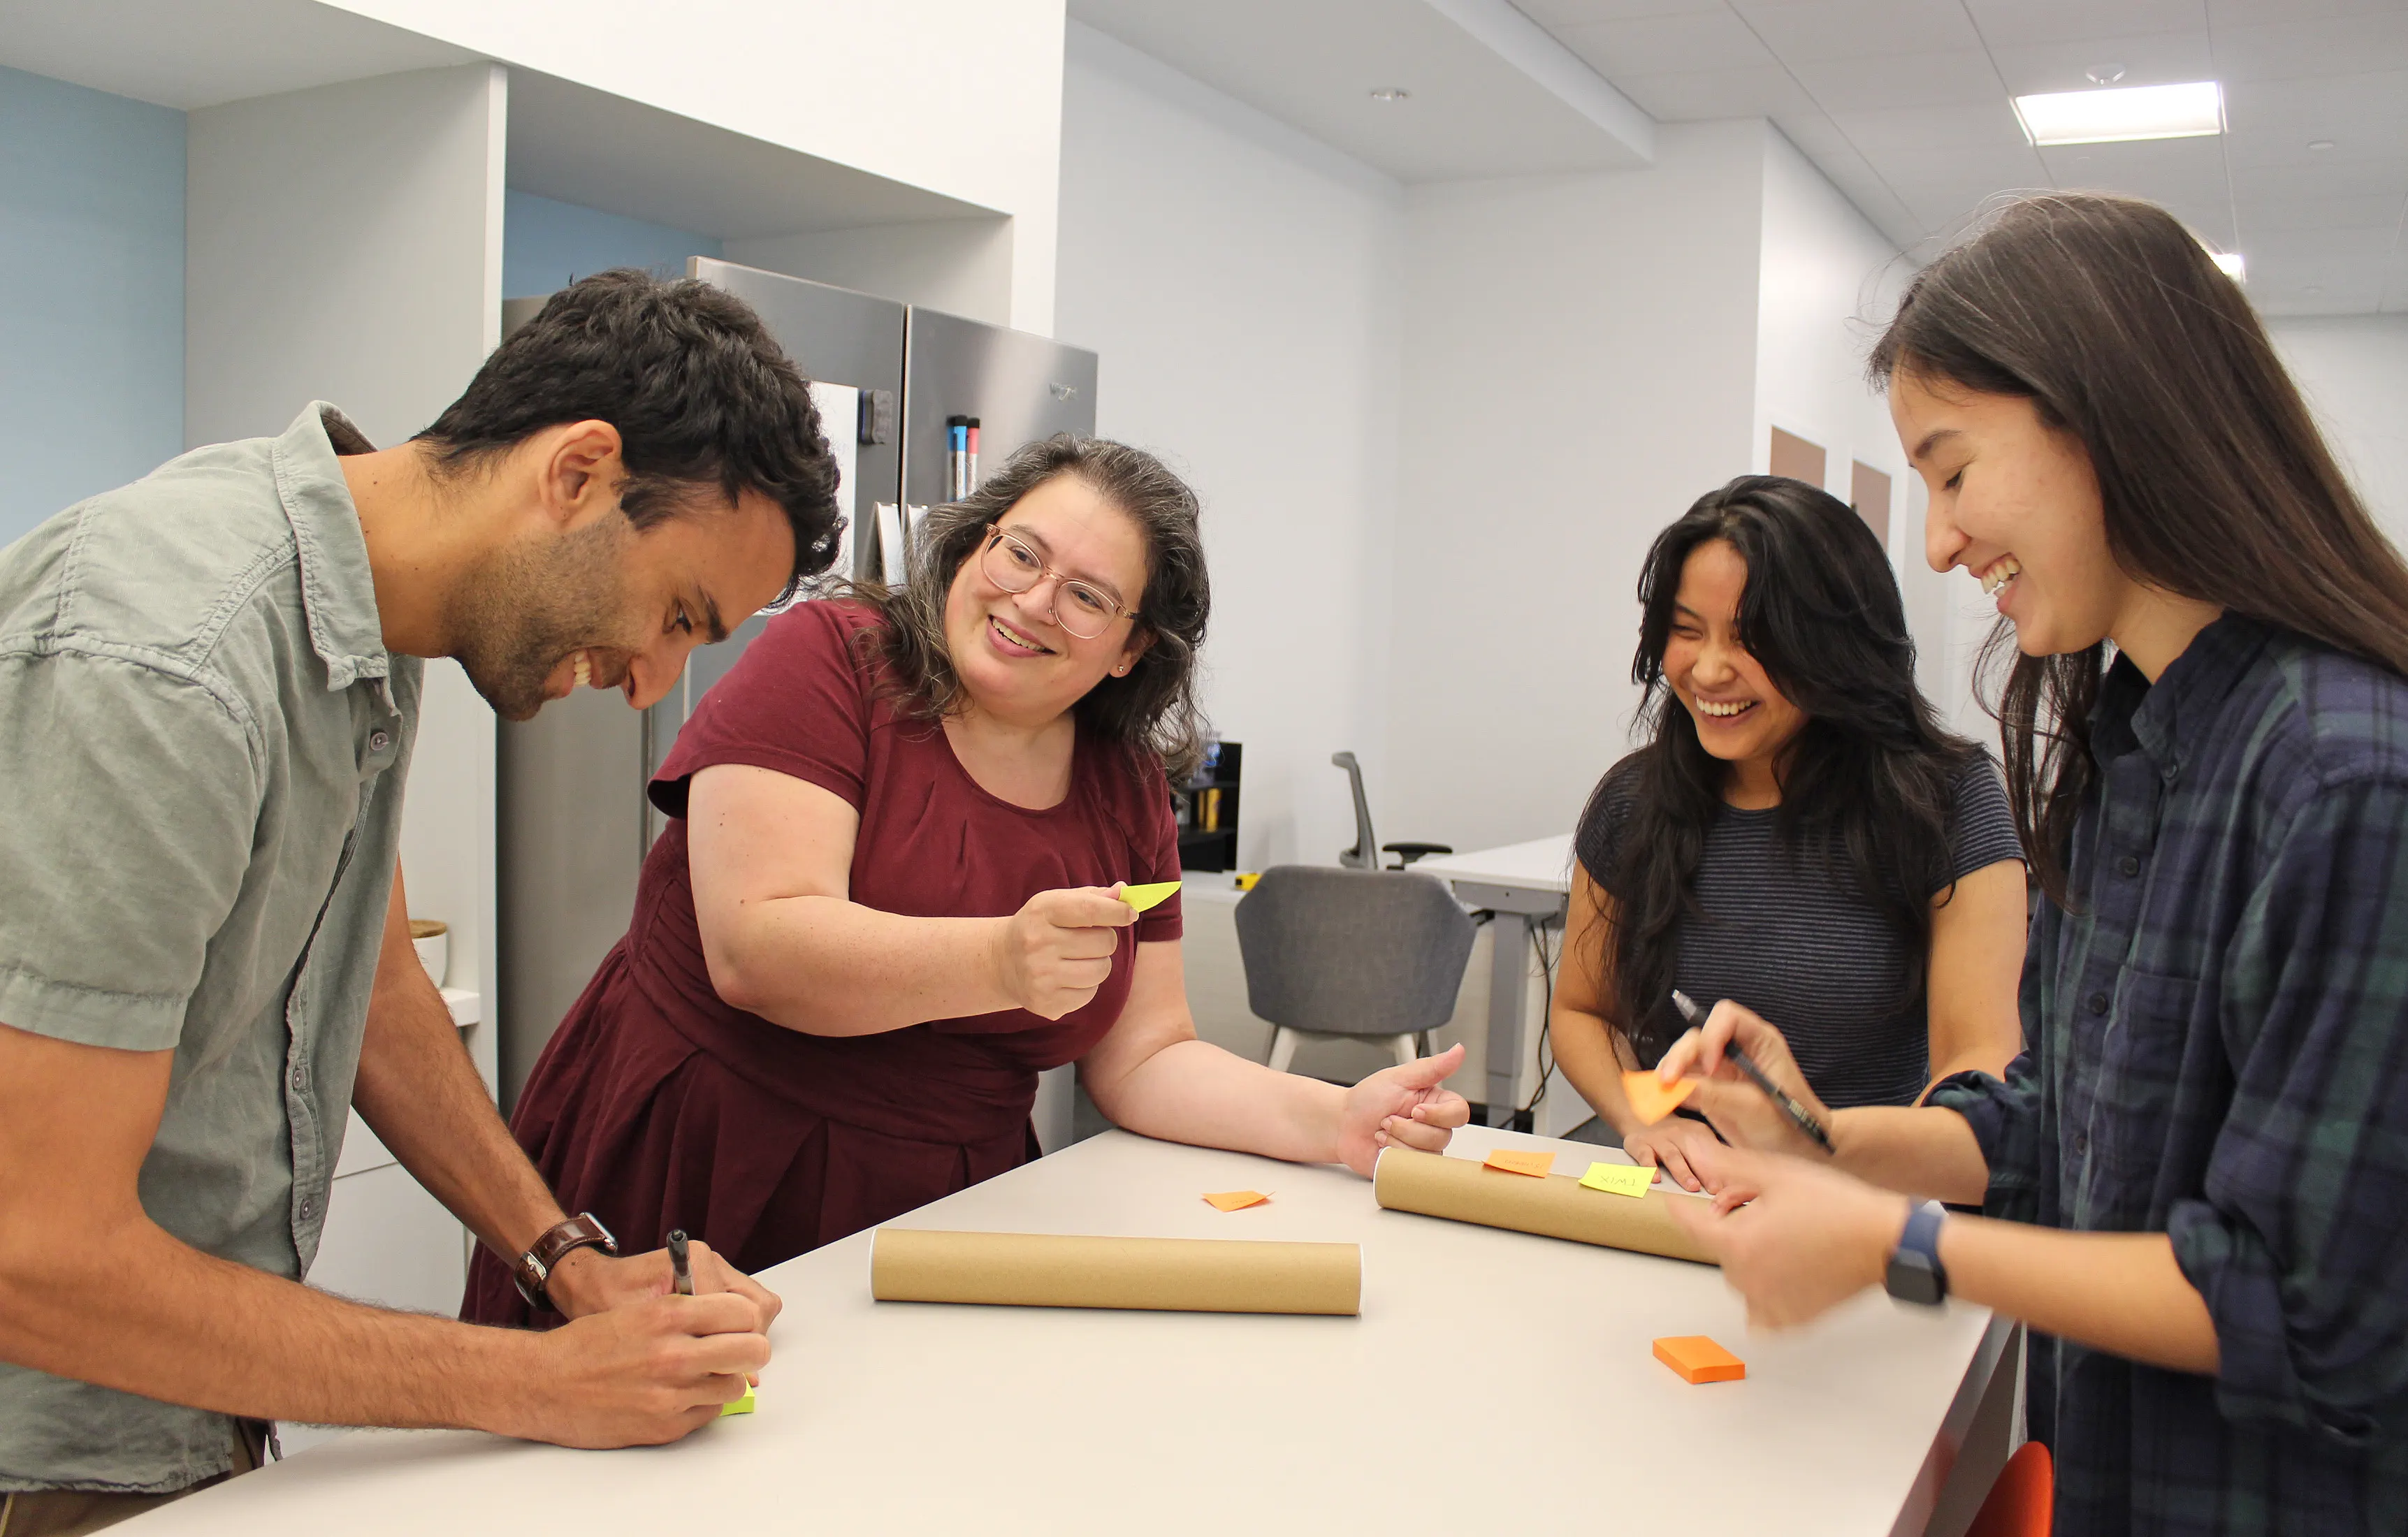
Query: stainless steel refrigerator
{"type": "Point", "coordinates": [574, 822]}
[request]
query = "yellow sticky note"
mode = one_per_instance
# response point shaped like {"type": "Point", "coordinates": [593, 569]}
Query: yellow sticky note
{"type": "Point", "coordinates": [1143, 897]}
{"type": "Point", "coordinates": [1619, 1178]}
{"type": "Point", "coordinates": [739, 1406]}
{"type": "Point", "coordinates": [1514, 1161]}
{"type": "Point", "coordinates": [1650, 1100]}
{"type": "Point", "coordinates": [1236, 1200]}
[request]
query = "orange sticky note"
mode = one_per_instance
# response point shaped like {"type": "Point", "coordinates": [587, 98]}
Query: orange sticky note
{"type": "Point", "coordinates": [1699, 1358]}
{"type": "Point", "coordinates": [1514, 1161]}
{"type": "Point", "coordinates": [1650, 1101]}
{"type": "Point", "coordinates": [1236, 1201]}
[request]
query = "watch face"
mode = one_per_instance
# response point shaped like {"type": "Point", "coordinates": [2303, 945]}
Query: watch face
{"type": "Point", "coordinates": [1910, 1280]}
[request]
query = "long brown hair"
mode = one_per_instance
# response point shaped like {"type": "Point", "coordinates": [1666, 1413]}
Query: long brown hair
{"type": "Point", "coordinates": [1154, 708]}
{"type": "Point", "coordinates": [2215, 484]}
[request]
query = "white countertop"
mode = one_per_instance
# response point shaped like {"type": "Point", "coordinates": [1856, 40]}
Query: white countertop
{"type": "Point", "coordinates": [1494, 1381]}
{"type": "Point", "coordinates": [1543, 864]}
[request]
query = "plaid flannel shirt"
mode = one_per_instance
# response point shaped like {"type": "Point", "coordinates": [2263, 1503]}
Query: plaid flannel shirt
{"type": "Point", "coordinates": [2217, 1048]}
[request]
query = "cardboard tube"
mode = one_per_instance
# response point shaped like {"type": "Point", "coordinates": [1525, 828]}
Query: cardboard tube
{"type": "Point", "coordinates": [1167, 1274]}
{"type": "Point", "coordinates": [1552, 1206]}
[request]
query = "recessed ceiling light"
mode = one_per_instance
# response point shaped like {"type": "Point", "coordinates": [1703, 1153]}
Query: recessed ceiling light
{"type": "Point", "coordinates": [2105, 73]}
{"type": "Point", "coordinates": [1389, 94]}
{"type": "Point", "coordinates": [2320, 143]}
{"type": "Point", "coordinates": [2232, 263]}
{"type": "Point", "coordinates": [2130, 112]}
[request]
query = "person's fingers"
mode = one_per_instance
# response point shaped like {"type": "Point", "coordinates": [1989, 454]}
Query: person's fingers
{"type": "Point", "coordinates": [1446, 1110]}
{"type": "Point", "coordinates": [1677, 1165]}
{"type": "Point", "coordinates": [1089, 944]}
{"type": "Point", "coordinates": [1644, 1155]}
{"type": "Point", "coordinates": [1682, 1059]}
{"type": "Point", "coordinates": [711, 1314]}
{"type": "Point", "coordinates": [736, 1356]}
{"type": "Point", "coordinates": [1088, 907]}
{"type": "Point", "coordinates": [1703, 1225]}
{"type": "Point", "coordinates": [1427, 1071]}
{"type": "Point", "coordinates": [1429, 1139]}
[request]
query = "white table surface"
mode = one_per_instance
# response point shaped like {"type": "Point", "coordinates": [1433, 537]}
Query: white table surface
{"type": "Point", "coordinates": [1495, 1382]}
{"type": "Point", "coordinates": [1543, 864]}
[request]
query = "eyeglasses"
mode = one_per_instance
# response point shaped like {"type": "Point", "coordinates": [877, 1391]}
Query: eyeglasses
{"type": "Point", "coordinates": [1083, 608]}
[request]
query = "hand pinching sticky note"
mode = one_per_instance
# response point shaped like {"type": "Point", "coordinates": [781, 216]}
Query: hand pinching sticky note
{"type": "Point", "coordinates": [744, 1406]}
{"type": "Point", "coordinates": [1630, 1179]}
{"type": "Point", "coordinates": [1651, 1099]}
{"type": "Point", "coordinates": [1236, 1200]}
{"type": "Point", "coordinates": [1143, 897]}
{"type": "Point", "coordinates": [1516, 1160]}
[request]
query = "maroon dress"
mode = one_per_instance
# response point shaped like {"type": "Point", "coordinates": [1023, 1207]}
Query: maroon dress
{"type": "Point", "coordinates": [656, 1106]}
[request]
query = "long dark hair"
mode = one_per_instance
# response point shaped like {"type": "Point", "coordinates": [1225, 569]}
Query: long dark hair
{"type": "Point", "coordinates": [1154, 708]}
{"type": "Point", "coordinates": [1871, 772]}
{"type": "Point", "coordinates": [2215, 482]}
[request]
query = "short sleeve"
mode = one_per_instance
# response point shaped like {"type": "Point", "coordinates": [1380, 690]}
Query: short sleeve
{"type": "Point", "coordinates": [1982, 826]}
{"type": "Point", "coordinates": [1596, 842]}
{"type": "Point", "coordinates": [798, 701]}
{"type": "Point", "coordinates": [133, 796]}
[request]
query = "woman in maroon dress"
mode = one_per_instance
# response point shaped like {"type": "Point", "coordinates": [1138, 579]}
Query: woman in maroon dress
{"type": "Point", "coordinates": [884, 900]}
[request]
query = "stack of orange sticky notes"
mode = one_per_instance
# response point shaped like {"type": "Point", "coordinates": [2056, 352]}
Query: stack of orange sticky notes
{"type": "Point", "coordinates": [1236, 1200]}
{"type": "Point", "coordinates": [1699, 1360]}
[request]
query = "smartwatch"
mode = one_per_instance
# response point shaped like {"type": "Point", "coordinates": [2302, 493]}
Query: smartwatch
{"type": "Point", "coordinates": [1915, 1273]}
{"type": "Point", "coordinates": [534, 1270]}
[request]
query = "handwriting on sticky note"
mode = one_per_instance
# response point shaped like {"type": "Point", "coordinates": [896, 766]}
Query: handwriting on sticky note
{"type": "Point", "coordinates": [1630, 1179]}
{"type": "Point", "coordinates": [1650, 1098]}
{"type": "Point", "coordinates": [1699, 1360]}
{"type": "Point", "coordinates": [739, 1406]}
{"type": "Point", "coordinates": [1516, 1160]}
{"type": "Point", "coordinates": [1143, 897]}
{"type": "Point", "coordinates": [1236, 1200]}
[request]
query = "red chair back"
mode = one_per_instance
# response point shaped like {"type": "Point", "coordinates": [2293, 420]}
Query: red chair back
{"type": "Point", "coordinates": [2020, 1503]}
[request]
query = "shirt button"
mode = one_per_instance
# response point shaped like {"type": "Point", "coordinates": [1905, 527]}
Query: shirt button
{"type": "Point", "coordinates": [300, 1077]}
{"type": "Point", "coordinates": [2130, 865]}
{"type": "Point", "coordinates": [380, 740]}
{"type": "Point", "coordinates": [2098, 1002]}
{"type": "Point", "coordinates": [2081, 1143]}
{"type": "Point", "coordinates": [309, 1207]}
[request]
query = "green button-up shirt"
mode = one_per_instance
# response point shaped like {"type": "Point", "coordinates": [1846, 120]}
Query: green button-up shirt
{"type": "Point", "coordinates": [201, 748]}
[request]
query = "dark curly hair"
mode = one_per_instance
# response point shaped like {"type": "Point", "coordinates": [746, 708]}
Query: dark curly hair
{"type": "Point", "coordinates": [701, 392]}
{"type": "Point", "coordinates": [1871, 779]}
{"type": "Point", "coordinates": [1154, 708]}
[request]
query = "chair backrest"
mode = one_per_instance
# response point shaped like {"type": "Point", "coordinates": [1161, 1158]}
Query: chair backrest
{"type": "Point", "coordinates": [2022, 1502]}
{"type": "Point", "coordinates": [1352, 952]}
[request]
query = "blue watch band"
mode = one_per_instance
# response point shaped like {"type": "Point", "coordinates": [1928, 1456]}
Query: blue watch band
{"type": "Point", "coordinates": [1916, 1274]}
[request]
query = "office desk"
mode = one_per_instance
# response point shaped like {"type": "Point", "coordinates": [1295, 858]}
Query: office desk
{"type": "Point", "coordinates": [1527, 885]}
{"type": "Point", "coordinates": [1495, 1382]}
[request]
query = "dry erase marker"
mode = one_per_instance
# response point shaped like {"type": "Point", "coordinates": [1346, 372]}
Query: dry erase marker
{"type": "Point", "coordinates": [1796, 1113]}
{"type": "Point", "coordinates": [678, 1262]}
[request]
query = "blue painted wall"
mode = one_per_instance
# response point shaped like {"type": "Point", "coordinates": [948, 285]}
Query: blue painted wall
{"type": "Point", "coordinates": [545, 243]}
{"type": "Point", "coordinates": [92, 294]}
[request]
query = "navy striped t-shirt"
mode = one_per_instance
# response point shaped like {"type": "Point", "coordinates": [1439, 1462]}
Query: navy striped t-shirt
{"type": "Point", "coordinates": [1787, 932]}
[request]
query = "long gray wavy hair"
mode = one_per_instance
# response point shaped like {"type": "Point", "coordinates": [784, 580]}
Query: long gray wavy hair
{"type": "Point", "coordinates": [1154, 708]}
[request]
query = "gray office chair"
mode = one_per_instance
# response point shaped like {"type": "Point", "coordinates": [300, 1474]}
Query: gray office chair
{"type": "Point", "coordinates": [1361, 857]}
{"type": "Point", "coordinates": [1366, 953]}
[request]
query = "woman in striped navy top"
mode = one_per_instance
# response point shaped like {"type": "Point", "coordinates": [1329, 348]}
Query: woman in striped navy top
{"type": "Point", "coordinates": [1799, 835]}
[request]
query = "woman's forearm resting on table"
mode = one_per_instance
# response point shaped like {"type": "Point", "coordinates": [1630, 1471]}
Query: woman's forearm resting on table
{"type": "Point", "coordinates": [1192, 1091]}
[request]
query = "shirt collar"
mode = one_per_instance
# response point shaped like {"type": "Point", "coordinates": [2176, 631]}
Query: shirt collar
{"type": "Point", "coordinates": [338, 588]}
{"type": "Point", "coordinates": [2165, 718]}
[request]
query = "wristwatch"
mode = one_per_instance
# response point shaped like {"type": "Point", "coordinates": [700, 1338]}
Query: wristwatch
{"type": "Point", "coordinates": [1915, 1273]}
{"type": "Point", "coordinates": [535, 1267]}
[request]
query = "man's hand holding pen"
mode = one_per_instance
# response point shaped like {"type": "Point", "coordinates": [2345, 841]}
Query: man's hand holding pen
{"type": "Point", "coordinates": [1738, 1109]}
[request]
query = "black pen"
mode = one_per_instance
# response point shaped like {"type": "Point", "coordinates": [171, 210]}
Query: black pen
{"type": "Point", "coordinates": [678, 1263]}
{"type": "Point", "coordinates": [1796, 1113]}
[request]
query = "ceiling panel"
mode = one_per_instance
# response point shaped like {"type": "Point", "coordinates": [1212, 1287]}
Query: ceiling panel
{"type": "Point", "coordinates": [1554, 13]}
{"type": "Point", "coordinates": [2018, 24]}
{"type": "Point", "coordinates": [1886, 81]}
{"type": "Point", "coordinates": [2240, 13]}
{"type": "Point", "coordinates": [2273, 121]}
{"type": "Point", "coordinates": [1666, 45]}
{"type": "Point", "coordinates": [2298, 50]}
{"type": "Point", "coordinates": [1768, 91]}
{"type": "Point", "coordinates": [2162, 58]}
{"type": "Point", "coordinates": [1986, 126]}
{"type": "Point", "coordinates": [1809, 31]}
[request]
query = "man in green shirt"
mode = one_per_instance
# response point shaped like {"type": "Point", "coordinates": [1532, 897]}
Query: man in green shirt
{"type": "Point", "coordinates": [208, 692]}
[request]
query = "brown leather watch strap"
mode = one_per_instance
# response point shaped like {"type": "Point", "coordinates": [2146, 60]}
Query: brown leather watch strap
{"type": "Point", "coordinates": [534, 1270]}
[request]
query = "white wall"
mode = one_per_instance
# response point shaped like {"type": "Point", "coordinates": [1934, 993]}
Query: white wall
{"type": "Point", "coordinates": [1241, 283]}
{"type": "Point", "coordinates": [961, 97]}
{"type": "Point", "coordinates": [1580, 361]}
{"type": "Point", "coordinates": [2354, 370]}
{"type": "Point", "coordinates": [345, 243]}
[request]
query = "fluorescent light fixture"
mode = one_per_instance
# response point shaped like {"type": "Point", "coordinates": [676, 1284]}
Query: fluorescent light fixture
{"type": "Point", "coordinates": [2127, 112]}
{"type": "Point", "coordinates": [2234, 267]}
